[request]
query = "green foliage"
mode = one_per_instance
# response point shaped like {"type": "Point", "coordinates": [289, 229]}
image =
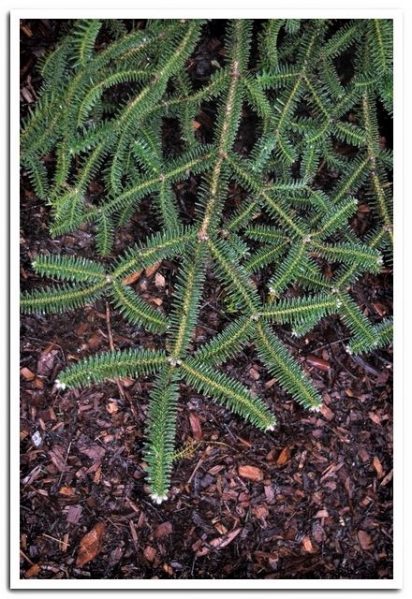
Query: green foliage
{"type": "Point", "coordinates": [137, 311]}
{"type": "Point", "coordinates": [68, 268]}
{"type": "Point", "coordinates": [112, 365]}
{"type": "Point", "coordinates": [229, 392]}
{"type": "Point", "coordinates": [273, 222]}
{"type": "Point", "coordinates": [61, 299]}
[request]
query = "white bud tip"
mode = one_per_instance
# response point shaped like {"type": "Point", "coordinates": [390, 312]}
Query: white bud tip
{"type": "Point", "coordinates": [270, 428]}
{"type": "Point", "coordinates": [60, 385]}
{"type": "Point", "coordinates": [158, 498]}
{"type": "Point", "coordinates": [348, 350]}
{"type": "Point", "coordinates": [315, 408]}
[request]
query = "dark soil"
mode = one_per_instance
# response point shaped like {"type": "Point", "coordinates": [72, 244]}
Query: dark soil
{"type": "Point", "coordinates": [311, 500]}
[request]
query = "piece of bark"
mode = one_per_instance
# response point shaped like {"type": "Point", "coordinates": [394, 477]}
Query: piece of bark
{"type": "Point", "coordinates": [91, 544]}
{"type": "Point", "coordinates": [251, 473]}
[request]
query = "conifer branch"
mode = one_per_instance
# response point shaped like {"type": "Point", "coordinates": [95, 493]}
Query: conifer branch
{"type": "Point", "coordinates": [112, 365]}
{"type": "Point", "coordinates": [229, 392]}
{"type": "Point", "coordinates": [262, 218]}
{"type": "Point", "coordinates": [161, 430]}
{"type": "Point", "coordinates": [137, 311]}
{"type": "Point", "coordinates": [280, 363]}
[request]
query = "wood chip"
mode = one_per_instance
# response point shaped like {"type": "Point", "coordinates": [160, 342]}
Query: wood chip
{"type": "Point", "coordinates": [58, 457]}
{"type": "Point", "coordinates": [157, 301]}
{"type": "Point", "coordinates": [260, 511]}
{"type": "Point", "coordinates": [97, 475]}
{"type": "Point", "coordinates": [254, 373]}
{"type": "Point", "coordinates": [74, 513]}
{"type": "Point", "coordinates": [65, 543]}
{"type": "Point", "coordinates": [150, 553]}
{"type": "Point", "coordinates": [318, 363]}
{"type": "Point", "coordinates": [94, 451]}
{"type": "Point", "coordinates": [364, 455]}
{"type": "Point", "coordinates": [322, 514]}
{"type": "Point", "coordinates": [47, 360]}
{"type": "Point", "coordinates": [150, 270]}
{"type": "Point", "coordinates": [163, 530]}
{"type": "Point", "coordinates": [269, 493]}
{"type": "Point", "coordinates": [283, 457]}
{"type": "Point", "coordinates": [196, 426]}
{"type": "Point", "coordinates": [365, 540]}
{"type": "Point", "coordinates": [95, 341]}
{"type": "Point", "coordinates": [269, 384]}
{"type": "Point", "coordinates": [26, 30]}
{"type": "Point", "coordinates": [307, 545]}
{"type": "Point", "coordinates": [27, 95]}
{"type": "Point", "coordinates": [168, 569]}
{"type": "Point", "coordinates": [379, 308]}
{"type": "Point", "coordinates": [32, 571]}
{"type": "Point", "coordinates": [221, 528]}
{"type": "Point", "coordinates": [376, 463]}
{"type": "Point", "coordinates": [251, 473]}
{"type": "Point", "coordinates": [327, 413]}
{"type": "Point", "coordinates": [132, 278]}
{"type": "Point", "coordinates": [221, 542]}
{"type": "Point", "coordinates": [91, 544]}
{"type": "Point", "coordinates": [387, 478]}
{"type": "Point", "coordinates": [66, 491]}
{"type": "Point", "coordinates": [216, 469]}
{"type": "Point", "coordinates": [27, 374]}
{"type": "Point", "coordinates": [374, 417]}
{"type": "Point", "coordinates": [160, 281]}
{"type": "Point", "coordinates": [112, 407]}
{"type": "Point", "coordinates": [38, 383]}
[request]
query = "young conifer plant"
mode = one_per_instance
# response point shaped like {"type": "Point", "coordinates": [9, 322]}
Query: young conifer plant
{"type": "Point", "coordinates": [287, 255]}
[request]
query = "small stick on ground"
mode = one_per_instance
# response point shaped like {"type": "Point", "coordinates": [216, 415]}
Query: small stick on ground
{"type": "Point", "coordinates": [123, 395]}
{"type": "Point", "coordinates": [111, 345]}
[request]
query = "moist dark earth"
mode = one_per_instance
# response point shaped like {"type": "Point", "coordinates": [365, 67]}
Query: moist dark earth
{"type": "Point", "coordinates": [313, 499]}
